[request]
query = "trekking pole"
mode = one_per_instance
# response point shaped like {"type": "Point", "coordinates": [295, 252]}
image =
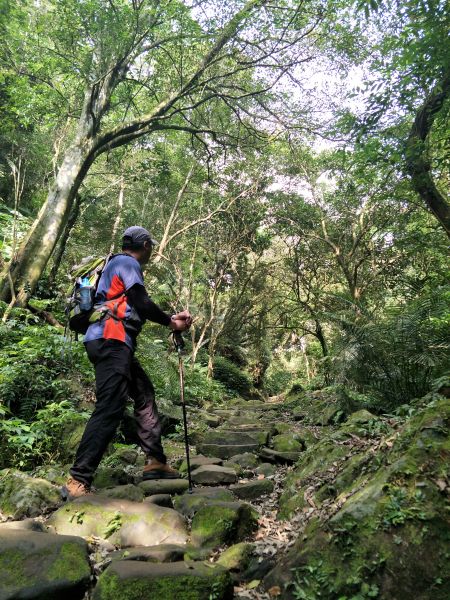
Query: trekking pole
{"type": "Point", "coordinates": [178, 342]}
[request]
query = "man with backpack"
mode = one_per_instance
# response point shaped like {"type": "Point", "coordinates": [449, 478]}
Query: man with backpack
{"type": "Point", "coordinates": [110, 341]}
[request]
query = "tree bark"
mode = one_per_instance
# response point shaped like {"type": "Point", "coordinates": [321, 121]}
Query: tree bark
{"type": "Point", "coordinates": [64, 239]}
{"type": "Point", "coordinates": [418, 162]}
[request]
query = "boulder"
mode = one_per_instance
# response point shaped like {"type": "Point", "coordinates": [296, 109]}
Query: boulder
{"type": "Point", "coordinates": [24, 525]}
{"type": "Point", "coordinates": [236, 557]}
{"type": "Point", "coordinates": [24, 496]}
{"type": "Point", "coordinates": [361, 417]}
{"type": "Point", "coordinates": [161, 553]}
{"type": "Point", "coordinates": [266, 469]}
{"type": "Point", "coordinates": [107, 476]}
{"type": "Point", "coordinates": [134, 580]}
{"type": "Point", "coordinates": [125, 492]}
{"type": "Point", "coordinates": [223, 522]}
{"type": "Point", "coordinates": [284, 458]}
{"type": "Point", "coordinates": [122, 522]}
{"type": "Point", "coordinates": [41, 565]}
{"type": "Point", "coordinates": [213, 475]}
{"type": "Point", "coordinates": [56, 474]}
{"type": "Point", "coordinates": [252, 489]}
{"type": "Point", "coordinates": [123, 456]}
{"type": "Point", "coordinates": [287, 442]}
{"type": "Point", "coordinates": [189, 503]}
{"type": "Point", "coordinates": [229, 464]}
{"type": "Point", "coordinates": [245, 460]}
{"type": "Point", "coordinates": [164, 486]}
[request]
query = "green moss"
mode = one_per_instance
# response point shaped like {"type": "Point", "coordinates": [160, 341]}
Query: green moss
{"type": "Point", "coordinates": [236, 557]}
{"type": "Point", "coordinates": [71, 564]}
{"type": "Point", "coordinates": [216, 524]}
{"type": "Point", "coordinates": [13, 570]}
{"type": "Point", "coordinates": [212, 585]}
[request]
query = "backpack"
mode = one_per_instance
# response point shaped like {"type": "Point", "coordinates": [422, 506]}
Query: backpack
{"type": "Point", "coordinates": [78, 319]}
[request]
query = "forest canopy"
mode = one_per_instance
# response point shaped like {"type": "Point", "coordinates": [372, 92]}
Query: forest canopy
{"type": "Point", "coordinates": [291, 157]}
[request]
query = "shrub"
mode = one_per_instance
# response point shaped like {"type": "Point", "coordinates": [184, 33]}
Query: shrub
{"type": "Point", "coordinates": [231, 376]}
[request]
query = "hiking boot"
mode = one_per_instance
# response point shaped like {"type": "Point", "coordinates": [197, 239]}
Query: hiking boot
{"type": "Point", "coordinates": [158, 470]}
{"type": "Point", "coordinates": [74, 489]}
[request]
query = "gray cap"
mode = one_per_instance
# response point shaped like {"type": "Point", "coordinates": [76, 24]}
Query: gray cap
{"type": "Point", "coordinates": [137, 235]}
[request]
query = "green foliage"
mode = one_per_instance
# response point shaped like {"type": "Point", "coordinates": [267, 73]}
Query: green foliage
{"type": "Point", "coordinates": [36, 364]}
{"type": "Point", "coordinates": [231, 376]}
{"type": "Point", "coordinates": [26, 445]}
{"type": "Point", "coordinates": [398, 354]}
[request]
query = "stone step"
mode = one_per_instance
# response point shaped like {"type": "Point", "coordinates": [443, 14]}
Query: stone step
{"type": "Point", "coordinates": [273, 456]}
{"type": "Point", "coordinates": [252, 489]}
{"type": "Point", "coordinates": [164, 486]}
{"type": "Point", "coordinates": [213, 475]}
{"type": "Point", "coordinates": [135, 580]}
{"type": "Point", "coordinates": [43, 565]}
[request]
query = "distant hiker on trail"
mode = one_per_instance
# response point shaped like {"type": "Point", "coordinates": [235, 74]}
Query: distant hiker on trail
{"type": "Point", "coordinates": [110, 344]}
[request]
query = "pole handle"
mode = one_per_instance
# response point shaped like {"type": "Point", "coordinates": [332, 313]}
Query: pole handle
{"type": "Point", "coordinates": [178, 341]}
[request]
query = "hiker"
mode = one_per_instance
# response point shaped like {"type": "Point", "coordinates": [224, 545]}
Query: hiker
{"type": "Point", "coordinates": [110, 344]}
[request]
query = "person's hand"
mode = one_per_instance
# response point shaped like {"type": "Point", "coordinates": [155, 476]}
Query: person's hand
{"type": "Point", "coordinates": [181, 321]}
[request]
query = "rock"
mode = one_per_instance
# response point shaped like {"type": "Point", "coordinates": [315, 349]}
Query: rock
{"type": "Point", "coordinates": [266, 469]}
{"type": "Point", "coordinates": [394, 521]}
{"type": "Point", "coordinates": [227, 443]}
{"type": "Point", "coordinates": [279, 457]}
{"type": "Point", "coordinates": [160, 554]}
{"type": "Point", "coordinates": [25, 496]}
{"type": "Point", "coordinates": [361, 417]}
{"type": "Point", "coordinates": [108, 477]}
{"type": "Point", "coordinates": [242, 420]}
{"type": "Point", "coordinates": [252, 489]}
{"type": "Point", "coordinates": [286, 442]}
{"type": "Point", "coordinates": [160, 500]}
{"type": "Point", "coordinates": [306, 436]}
{"type": "Point", "coordinates": [246, 460]}
{"type": "Point", "coordinates": [124, 455]}
{"type": "Point", "coordinates": [56, 474]}
{"type": "Point", "coordinates": [237, 557]}
{"type": "Point", "coordinates": [71, 437]}
{"type": "Point", "coordinates": [25, 525]}
{"type": "Point", "coordinates": [188, 504]}
{"type": "Point", "coordinates": [164, 486]}
{"type": "Point", "coordinates": [121, 521]}
{"type": "Point", "coordinates": [199, 461]}
{"type": "Point", "coordinates": [41, 565]}
{"type": "Point", "coordinates": [223, 522]}
{"type": "Point", "coordinates": [209, 420]}
{"type": "Point", "coordinates": [133, 580]}
{"type": "Point", "coordinates": [124, 492]}
{"type": "Point", "coordinates": [234, 466]}
{"type": "Point", "coordinates": [213, 475]}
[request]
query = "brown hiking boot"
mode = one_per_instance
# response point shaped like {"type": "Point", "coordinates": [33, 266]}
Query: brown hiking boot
{"type": "Point", "coordinates": [158, 470]}
{"type": "Point", "coordinates": [74, 489]}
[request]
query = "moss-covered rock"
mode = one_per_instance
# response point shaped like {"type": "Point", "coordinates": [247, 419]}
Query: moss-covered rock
{"type": "Point", "coordinates": [189, 503]}
{"type": "Point", "coordinates": [122, 522]}
{"type": "Point", "coordinates": [133, 580]}
{"type": "Point", "coordinates": [391, 537]}
{"type": "Point", "coordinates": [24, 496]}
{"type": "Point", "coordinates": [287, 442]}
{"type": "Point", "coordinates": [223, 522]}
{"type": "Point", "coordinates": [252, 489]}
{"type": "Point", "coordinates": [247, 460]}
{"type": "Point", "coordinates": [125, 492]}
{"type": "Point", "coordinates": [42, 565]}
{"type": "Point", "coordinates": [237, 557]}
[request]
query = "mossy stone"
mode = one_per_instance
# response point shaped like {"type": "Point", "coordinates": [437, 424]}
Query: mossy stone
{"type": "Point", "coordinates": [133, 580]}
{"type": "Point", "coordinates": [223, 522]}
{"type": "Point", "coordinates": [236, 557]}
{"type": "Point", "coordinates": [24, 496]}
{"type": "Point", "coordinates": [42, 565]}
{"type": "Point", "coordinates": [189, 503]}
{"type": "Point", "coordinates": [287, 442]}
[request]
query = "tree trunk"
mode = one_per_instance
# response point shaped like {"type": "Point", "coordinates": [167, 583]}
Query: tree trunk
{"type": "Point", "coordinates": [119, 214]}
{"type": "Point", "coordinates": [39, 244]}
{"type": "Point", "coordinates": [64, 238]}
{"type": "Point", "coordinates": [417, 160]}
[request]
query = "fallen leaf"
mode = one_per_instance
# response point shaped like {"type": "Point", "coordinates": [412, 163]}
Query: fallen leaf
{"type": "Point", "coordinates": [441, 484]}
{"type": "Point", "coordinates": [253, 584]}
{"type": "Point", "coordinates": [261, 476]}
{"type": "Point", "coordinates": [274, 591]}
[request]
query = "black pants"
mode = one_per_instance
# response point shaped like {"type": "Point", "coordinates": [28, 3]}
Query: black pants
{"type": "Point", "coordinates": [118, 375]}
